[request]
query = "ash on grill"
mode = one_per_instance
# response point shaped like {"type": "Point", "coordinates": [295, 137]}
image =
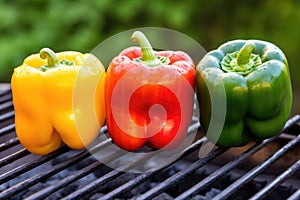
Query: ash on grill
{"type": "Point", "coordinates": [267, 170]}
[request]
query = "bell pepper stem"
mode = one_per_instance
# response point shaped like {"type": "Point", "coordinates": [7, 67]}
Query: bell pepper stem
{"type": "Point", "coordinates": [242, 61]}
{"type": "Point", "coordinates": [148, 56]}
{"type": "Point", "coordinates": [243, 56]}
{"type": "Point", "coordinates": [52, 60]}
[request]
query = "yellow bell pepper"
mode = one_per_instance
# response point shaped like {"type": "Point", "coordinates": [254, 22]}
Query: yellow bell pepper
{"type": "Point", "coordinates": [58, 98]}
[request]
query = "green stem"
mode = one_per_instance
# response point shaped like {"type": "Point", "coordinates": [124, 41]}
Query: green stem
{"type": "Point", "coordinates": [52, 60]}
{"type": "Point", "coordinates": [148, 56]}
{"type": "Point", "coordinates": [242, 61]}
{"type": "Point", "coordinates": [243, 56]}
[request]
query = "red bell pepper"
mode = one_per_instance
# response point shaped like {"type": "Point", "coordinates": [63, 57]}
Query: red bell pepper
{"type": "Point", "coordinates": [149, 96]}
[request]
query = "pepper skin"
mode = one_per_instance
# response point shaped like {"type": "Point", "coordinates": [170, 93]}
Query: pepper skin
{"type": "Point", "coordinates": [159, 90]}
{"type": "Point", "coordinates": [47, 112]}
{"type": "Point", "coordinates": [258, 91]}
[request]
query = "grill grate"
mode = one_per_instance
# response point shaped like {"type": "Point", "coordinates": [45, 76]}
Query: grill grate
{"type": "Point", "coordinates": [70, 174]}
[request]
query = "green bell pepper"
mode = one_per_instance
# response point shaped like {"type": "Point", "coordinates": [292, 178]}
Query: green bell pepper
{"type": "Point", "coordinates": [254, 77]}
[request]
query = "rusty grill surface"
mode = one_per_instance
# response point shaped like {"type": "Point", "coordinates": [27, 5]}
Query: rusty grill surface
{"type": "Point", "coordinates": [70, 174]}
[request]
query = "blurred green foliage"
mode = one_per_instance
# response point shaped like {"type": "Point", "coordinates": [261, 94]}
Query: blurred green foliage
{"type": "Point", "coordinates": [28, 25]}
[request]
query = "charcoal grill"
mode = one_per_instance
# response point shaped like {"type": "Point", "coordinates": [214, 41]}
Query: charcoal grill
{"type": "Point", "coordinates": [266, 170]}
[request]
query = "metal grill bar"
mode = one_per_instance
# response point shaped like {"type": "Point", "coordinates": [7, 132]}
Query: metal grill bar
{"type": "Point", "coordinates": [7, 116]}
{"type": "Point", "coordinates": [225, 169]}
{"type": "Point", "coordinates": [257, 170]}
{"type": "Point", "coordinates": [6, 97]}
{"type": "Point", "coordinates": [120, 171]}
{"type": "Point", "coordinates": [143, 177]}
{"type": "Point", "coordinates": [29, 166]}
{"type": "Point", "coordinates": [290, 123]}
{"type": "Point", "coordinates": [9, 159]}
{"type": "Point", "coordinates": [35, 179]}
{"type": "Point", "coordinates": [8, 144]}
{"type": "Point", "coordinates": [15, 156]}
{"type": "Point", "coordinates": [104, 179]}
{"type": "Point", "coordinates": [6, 105]}
{"type": "Point", "coordinates": [5, 91]}
{"type": "Point", "coordinates": [72, 177]}
{"type": "Point", "coordinates": [168, 182]}
{"type": "Point", "coordinates": [295, 196]}
{"type": "Point", "coordinates": [7, 130]}
{"type": "Point", "coordinates": [280, 179]}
